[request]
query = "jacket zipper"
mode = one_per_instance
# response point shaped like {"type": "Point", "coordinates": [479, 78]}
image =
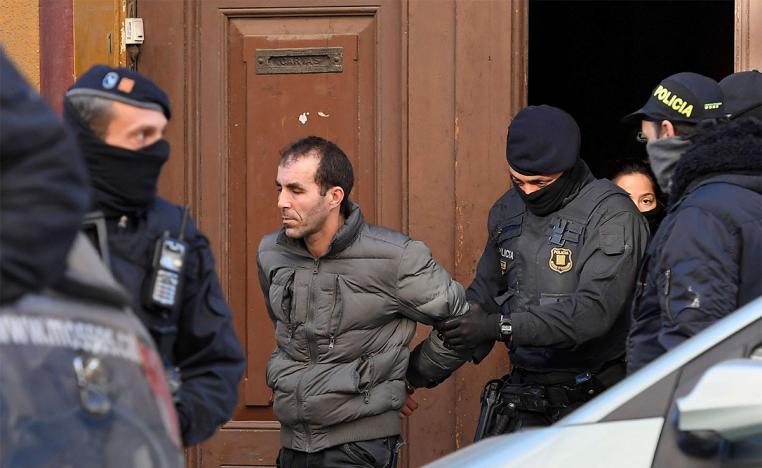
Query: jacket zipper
{"type": "Point", "coordinates": [309, 330]}
{"type": "Point", "coordinates": [371, 369]}
{"type": "Point", "coordinates": [332, 333]}
{"type": "Point", "coordinates": [312, 353]}
{"type": "Point", "coordinates": [667, 285]}
{"type": "Point", "coordinates": [291, 331]}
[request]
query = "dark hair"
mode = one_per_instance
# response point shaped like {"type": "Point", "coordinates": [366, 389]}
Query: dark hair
{"type": "Point", "coordinates": [682, 129]}
{"type": "Point", "coordinates": [623, 167]}
{"type": "Point", "coordinates": [334, 169]}
{"type": "Point", "coordinates": [685, 129]}
{"type": "Point", "coordinates": [94, 111]}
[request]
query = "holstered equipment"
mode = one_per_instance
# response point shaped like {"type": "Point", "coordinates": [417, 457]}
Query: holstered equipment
{"type": "Point", "coordinates": [503, 401]}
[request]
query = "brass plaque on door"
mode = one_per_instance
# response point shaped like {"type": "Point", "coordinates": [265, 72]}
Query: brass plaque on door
{"type": "Point", "coordinates": [306, 60]}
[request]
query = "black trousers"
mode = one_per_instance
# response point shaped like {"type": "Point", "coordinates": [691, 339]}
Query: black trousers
{"type": "Point", "coordinates": [374, 453]}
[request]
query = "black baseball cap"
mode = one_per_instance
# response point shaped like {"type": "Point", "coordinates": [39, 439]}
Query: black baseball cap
{"type": "Point", "coordinates": [683, 97]}
{"type": "Point", "coordinates": [743, 94]}
{"type": "Point", "coordinates": [123, 85]}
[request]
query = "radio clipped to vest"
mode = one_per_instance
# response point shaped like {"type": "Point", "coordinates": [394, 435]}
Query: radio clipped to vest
{"type": "Point", "coordinates": [163, 290]}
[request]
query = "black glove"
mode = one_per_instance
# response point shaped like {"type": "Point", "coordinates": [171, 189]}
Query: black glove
{"type": "Point", "coordinates": [471, 329]}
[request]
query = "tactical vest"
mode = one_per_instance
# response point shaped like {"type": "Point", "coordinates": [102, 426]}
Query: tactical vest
{"type": "Point", "coordinates": [540, 260]}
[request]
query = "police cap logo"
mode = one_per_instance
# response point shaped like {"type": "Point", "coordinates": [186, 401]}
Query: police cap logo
{"type": "Point", "coordinates": [110, 80]}
{"type": "Point", "coordinates": [673, 101]}
{"type": "Point", "coordinates": [560, 260]}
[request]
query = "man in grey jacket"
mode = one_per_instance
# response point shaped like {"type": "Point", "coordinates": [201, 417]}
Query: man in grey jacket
{"type": "Point", "coordinates": [345, 297]}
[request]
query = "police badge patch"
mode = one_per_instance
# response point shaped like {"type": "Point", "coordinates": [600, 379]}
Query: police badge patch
{"type": "Point", "coordinates": [505, 255]}
{"type": "Point", "coordinates": [560, 260]}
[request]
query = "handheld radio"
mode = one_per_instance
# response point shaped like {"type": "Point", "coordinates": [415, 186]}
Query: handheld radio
{"type": "Point", "coordinates": [165, 284]}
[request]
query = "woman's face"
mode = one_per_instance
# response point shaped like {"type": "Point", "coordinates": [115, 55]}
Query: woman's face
{"type": "Point", "coordinates": [639, 187]}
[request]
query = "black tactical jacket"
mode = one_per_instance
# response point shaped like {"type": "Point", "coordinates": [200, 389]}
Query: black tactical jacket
{"type": "Point", "coordinates": [564, 279]}
{"type": "Point", "coordinates": [199, 337]}
{"type": "Point", "coordinates": [706, 259]}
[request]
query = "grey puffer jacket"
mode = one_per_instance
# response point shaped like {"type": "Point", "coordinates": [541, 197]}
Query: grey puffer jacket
{"type": "Point", "coordinates": [343, 323]}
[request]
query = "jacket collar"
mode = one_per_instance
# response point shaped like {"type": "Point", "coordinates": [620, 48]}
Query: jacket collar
{"type": "Point", "coordinates": [732, 150]}
{"type": "Point", "coordinates": [344, 237]}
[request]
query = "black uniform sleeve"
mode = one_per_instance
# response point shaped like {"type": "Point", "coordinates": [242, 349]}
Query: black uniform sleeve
{"type": "Point", "coordinates": [43, 189]}
{"type": "Point", "coordinates": [605, 286]}
{"type": "Point", "coordinates": [207, 352]}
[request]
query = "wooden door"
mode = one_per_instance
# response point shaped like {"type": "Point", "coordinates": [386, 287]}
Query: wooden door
{"type": "Point", "coordinates": [421, 103]}
{"type": "Point", "coordinates": [262, 76]}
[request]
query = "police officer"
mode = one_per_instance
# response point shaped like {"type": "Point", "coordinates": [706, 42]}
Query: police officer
{"type": "Point", "coordinates": [118, 117]}
{"type": "Point", "coordinates": [704, 262]}
{"type": "Point", "coordinates": [555, 277]}
{"type": "Point", "coordinates": [43, 189]}
{"type": "Point", "coordinates": [743, 95]}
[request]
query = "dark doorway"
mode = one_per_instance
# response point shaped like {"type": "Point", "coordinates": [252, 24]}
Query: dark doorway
{"type": "Point", "coordinates": [599, 60]}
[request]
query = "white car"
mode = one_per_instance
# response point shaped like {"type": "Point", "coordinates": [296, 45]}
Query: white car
{"type": "Point", "coordinates": [699, 405]}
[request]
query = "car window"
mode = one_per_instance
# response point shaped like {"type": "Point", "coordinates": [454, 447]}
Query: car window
{"type": "Point", "coordinates": [677, 448]}
{"type": "Point", "coordinates": [652, 402]}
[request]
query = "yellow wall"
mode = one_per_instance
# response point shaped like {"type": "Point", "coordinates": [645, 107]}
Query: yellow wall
{"type": "Point", "coordinates": [20, 35]}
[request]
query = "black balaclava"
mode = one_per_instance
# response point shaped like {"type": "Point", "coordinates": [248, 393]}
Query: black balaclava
{"type": "Point", "coordinates": [553, 197]}
{"type": "Point", "coordinates": [545, 140]}
{"type": "Point", "coordinates": [124, 181]}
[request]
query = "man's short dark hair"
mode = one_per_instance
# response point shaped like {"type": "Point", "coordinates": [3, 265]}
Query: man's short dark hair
{"type": "Point", "coordinates": [685, 129]}
{"type": "Point", "coordinates": [682, 129]}
{"type": "Point", "coordinates": [334, 168]}
{"type": "Point", "coordinates": [95, 111]}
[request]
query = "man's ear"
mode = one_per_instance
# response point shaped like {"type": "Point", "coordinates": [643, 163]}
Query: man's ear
{"type": "Point", "coordinates": [336, 195]}
{"type": "Point", "coordinates": [666, 129]}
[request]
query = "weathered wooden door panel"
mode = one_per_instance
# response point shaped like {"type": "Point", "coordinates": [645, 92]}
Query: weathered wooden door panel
{"type": "Point", "coordinates": [261, 109]}
{"type": "Point", "coordinates": [277, 109]}
{"type": "Point", "coordinates": [420, 106]}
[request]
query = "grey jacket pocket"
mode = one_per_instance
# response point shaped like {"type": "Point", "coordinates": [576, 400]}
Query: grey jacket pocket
{"type": "Point", "coordinates": [281, 294]}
